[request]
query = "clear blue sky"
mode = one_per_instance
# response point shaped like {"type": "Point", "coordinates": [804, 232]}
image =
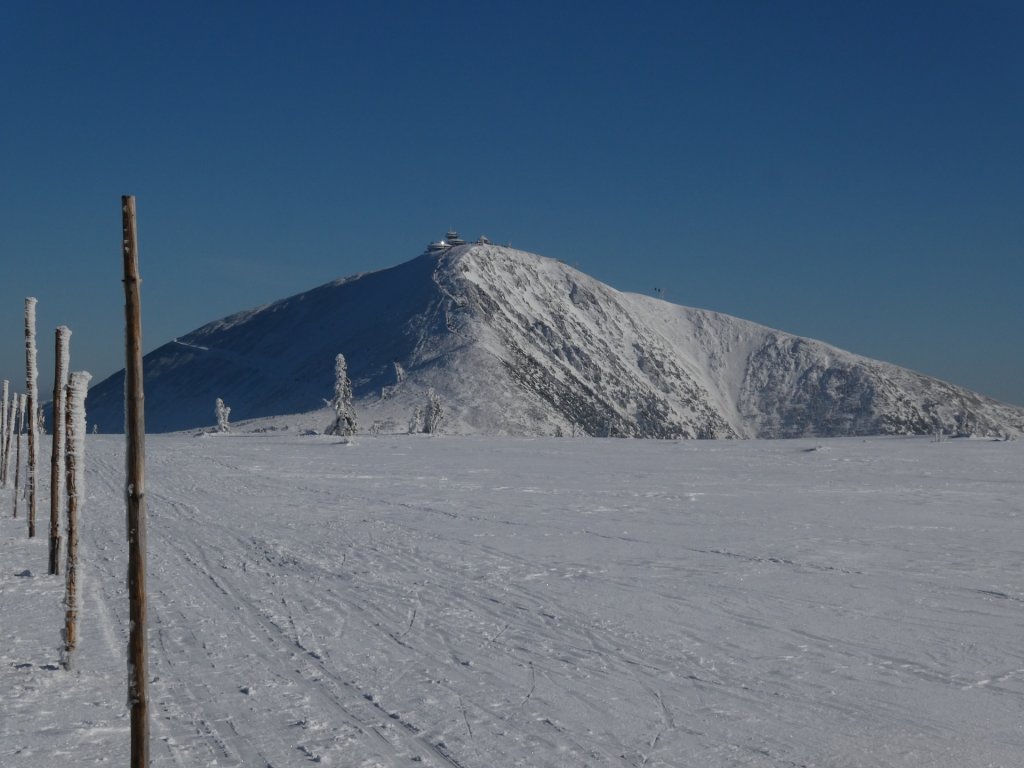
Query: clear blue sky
{"type": "Point", "coordinates": [849, 171]}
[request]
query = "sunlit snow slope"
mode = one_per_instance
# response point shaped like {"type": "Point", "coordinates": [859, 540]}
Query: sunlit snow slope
{"type": "Point", "coordinates": [520, 344]}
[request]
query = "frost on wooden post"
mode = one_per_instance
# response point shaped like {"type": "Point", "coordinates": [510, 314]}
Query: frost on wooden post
{"type": "Point", "coordinates": [3, 420]}
{"type": "Point", "coordinates": [8, 438]}
{"type": "Point", "coordinates": [77, 390]}
{"type": "Point", "coordinates": [32, 401]}
{"type": "Point", "coordinates": [3, 433]}
{"type": "Point", "coordinates": [19, 412]}
{"type": "Point", "coordinates": [31, 370]}
{"type": "Point", "coordinates": [57, 455]}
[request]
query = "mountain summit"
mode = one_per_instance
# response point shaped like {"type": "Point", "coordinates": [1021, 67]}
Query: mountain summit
{"type": "Point", "coordinates": [519, 344]}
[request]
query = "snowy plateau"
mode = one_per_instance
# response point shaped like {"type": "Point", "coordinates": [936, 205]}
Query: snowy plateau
{"type": "Point", "coordinates": [482, 602]}
{"type": "Point", "coordinates": [518, 344]}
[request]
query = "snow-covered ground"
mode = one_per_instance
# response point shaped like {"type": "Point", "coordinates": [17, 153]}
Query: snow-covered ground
{"type": "Point", "coordinates": [484, 602]}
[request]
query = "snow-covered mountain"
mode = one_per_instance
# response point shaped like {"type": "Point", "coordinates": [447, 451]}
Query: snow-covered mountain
{"type": "Point", "coordinates": [516, 343]}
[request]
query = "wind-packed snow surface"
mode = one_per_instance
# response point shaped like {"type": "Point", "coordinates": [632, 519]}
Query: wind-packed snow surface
{"type": "Point", "coordinates": [474, 602]}
{"type": "Point", "coordinates": [517, 344]}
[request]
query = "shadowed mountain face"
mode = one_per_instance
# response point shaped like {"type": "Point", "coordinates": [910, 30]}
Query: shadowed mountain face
{"type": "Point", "coordinates": [519, 344]}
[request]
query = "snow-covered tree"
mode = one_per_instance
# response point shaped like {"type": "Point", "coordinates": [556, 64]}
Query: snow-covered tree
{"type": "Point", "coordinates": [416, 421]}
{"type": "Point", "coordinates": [344, 413]}
{"type": "Point", "coordinates": [222, 413]}
{"type": "Point", "coordinates": [434, 413]}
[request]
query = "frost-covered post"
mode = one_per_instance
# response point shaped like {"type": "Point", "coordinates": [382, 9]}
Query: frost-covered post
{"type": "Point", "coordinates": [12, 414]}
{"type": "Point", "coordinates": [17, 457]}
{"type": "Point", "coordinates": [60, 384]}
{"type": "Point", "coordinates": [344, 414]}
{"type": "Point", "coordinates": [135, 490]}
{"type": "Point", "coordinates": [8, 433]}
{"type": "Point", "coordinates": [32, 395]}
{"type": "Point", "coordinates": [74, 425]}
{"type": "Point", "coordinates": [222, 413]}
{"type": "Point", "coordinates": [3, 430]}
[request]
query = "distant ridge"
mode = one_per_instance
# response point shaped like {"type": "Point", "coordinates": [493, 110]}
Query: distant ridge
{"type": "Point", "coordinates": [519, 344]}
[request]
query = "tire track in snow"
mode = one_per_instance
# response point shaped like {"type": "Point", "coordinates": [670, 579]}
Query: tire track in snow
{"type": "Point", "coordinates": [289, 662]}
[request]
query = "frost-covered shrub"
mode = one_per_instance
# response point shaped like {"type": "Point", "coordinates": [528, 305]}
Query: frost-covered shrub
{"type": "Point", "coordinates": [222, 412]}
{"type": "Point", "coordinates": [416, 421]}
{"type": "Point", "coordinates": [434, 413]}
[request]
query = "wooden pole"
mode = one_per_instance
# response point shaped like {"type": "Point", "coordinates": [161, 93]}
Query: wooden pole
{"type": "Point", "coordinates": [11, 417]}
{"type": "Point", "coordinates": [32, 395]}
{"type": "Point", "coordinates": [135, 490]}
{"type": "Point", "coordinates": [74, 419]}
{"type": "Point", "coordinates": [17, 457]}
{"type": "Point", "coordinates": [3, 433]}
{"type": "Point", "coordinates": [60, 384]}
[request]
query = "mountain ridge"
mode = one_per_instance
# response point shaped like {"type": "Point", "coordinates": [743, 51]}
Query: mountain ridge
{"type": "Point", "coordinates": [516, 343]}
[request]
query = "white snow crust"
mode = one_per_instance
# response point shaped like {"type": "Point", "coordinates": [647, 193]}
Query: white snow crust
{"type": "Point", "coordinates": [482, 602]}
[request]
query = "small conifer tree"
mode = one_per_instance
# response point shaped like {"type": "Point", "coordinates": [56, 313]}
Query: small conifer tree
{"type": "Point", "coordinates": [344, 423]}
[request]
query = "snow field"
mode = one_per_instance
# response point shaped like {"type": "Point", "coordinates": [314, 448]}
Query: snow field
{"type": "Point", "coordinates": [478, 602]}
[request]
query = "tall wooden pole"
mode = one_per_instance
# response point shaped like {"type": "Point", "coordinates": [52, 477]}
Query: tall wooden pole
{"type": "Point", "coordinates": [60, 383]}
{"type": "Point", "coordinates": [75, 430]}
{"type": "Point", "coordinates": [11, 418]}
{"type": "Point", "coordinates": [135, 490]}
{"type": "Point", "coordinates": [17, 458]}
{"type": "Point", "coordinates": [3, 433]}
{"type": "Point", "coordinates": [32, 395]}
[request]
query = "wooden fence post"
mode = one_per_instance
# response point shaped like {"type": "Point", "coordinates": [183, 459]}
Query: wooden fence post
{"type": "Point", "coordinates": [17, 457]}
{"type": "Point", "coordinates": [135, 490]}
{"type": "Point", "coordinates": [60, 383]}
{"type": "Point", "coordinates": [5, 471]}
{"type": "Point", "coordinates": [74, 426]}
{"type": "Point", "coordinates": [32, 395]}
{"type": "Point", "coordinates": [3, 433]}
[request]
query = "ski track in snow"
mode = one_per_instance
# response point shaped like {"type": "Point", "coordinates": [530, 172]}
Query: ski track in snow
{"type": "Point", "coordinates": [478, 602]}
